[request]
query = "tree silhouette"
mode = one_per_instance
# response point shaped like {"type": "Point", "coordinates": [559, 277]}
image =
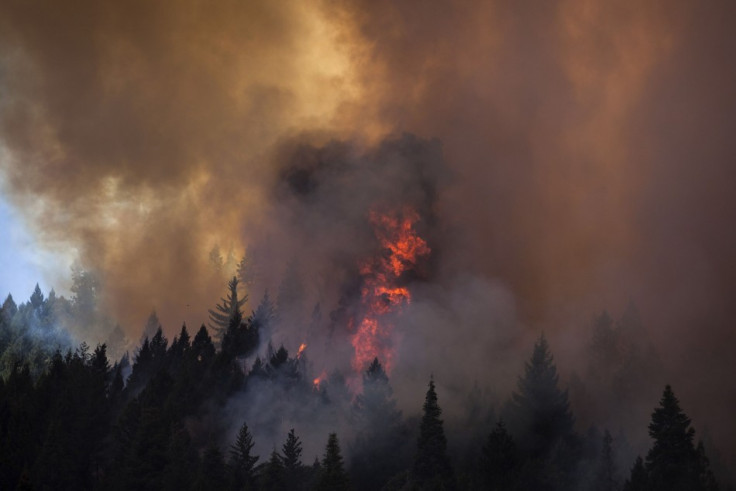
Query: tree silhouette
{"type": "Point", "coordinates": [541, 409]}
{"type": "Point", "coordinates": [272, 477]}
{"type": "Point", "coordinates": [500, 460]}
{"type": "Point", "coordinates": [673, 463]}
{"type": "Point", "coordinates": [332, 473]}
{"type": "Point", "coordinates": [639, 480]}
{"type": "Point", "coordinates": [229, 308]}
{"type": "Point", "coordinates": [242, 462]}
{"type": "Point", "coordinates": [431, 465]}
{"type": "Point", "coordinates": [605, 477]}
{"type": "Point", "coordinates": [291, 453]}
{"type": "Point", "coordinates": [378, 452]}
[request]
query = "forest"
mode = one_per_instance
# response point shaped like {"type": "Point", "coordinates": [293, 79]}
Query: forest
{"type": "Point", "coordinates": [77, 417]}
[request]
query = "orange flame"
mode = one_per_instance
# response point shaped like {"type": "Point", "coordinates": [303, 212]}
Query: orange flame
{"type": "Point", "coordinates": [302, 347]}
{"type": "Point", "coordinates": [316, 382]}
{"type": "Point", "coordinates": [381, 292]}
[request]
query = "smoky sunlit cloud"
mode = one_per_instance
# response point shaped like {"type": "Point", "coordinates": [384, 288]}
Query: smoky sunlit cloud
{"type": "Point", "coordinates": [580, 154]}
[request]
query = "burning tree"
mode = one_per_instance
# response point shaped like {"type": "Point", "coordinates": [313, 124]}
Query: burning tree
{"type": "Point", "coordinates": [383, 290]}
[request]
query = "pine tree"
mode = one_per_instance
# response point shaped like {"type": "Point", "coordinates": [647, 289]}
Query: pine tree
{"type": "Point", "coordinates": [540, 410]}
{"type": "Point", "coordinates": [706, 479]}
{"type": "Point", "coordinates": [332, 473]}
{"type": "Point", "coordinates": [179, 348]}
{"type": "Point", "coordinates": [264, 317]}
{"type": "Point", "coordinates": [378, 452]}
{"type": "Point", "coordinates": [203, 350]}
{"type": "Point", "coordinates": [224, 313]}
{"type": "Point", "coordinates": [248, 268]}
{"type": "Point", "coordinates": [37, 298]}
{"type": "Point", "coordinates": [500, 460]}
{"type": "Point", "coordinates": [272, 478]}
{"type": "Point", "coordinates": [673, 463]}
{"type": "Point", "coordinates": [9, 309]}
{"type": "Point", "coordinates": [242, 462]}
{"type": "Point", "coordinates": [639, 479]}
{"type": "Point", "coordinates": [152, 325]}
{"type": "Point", "coordinates": [432, 467]}
{"type": "Point", "coordinates": [291, 453]}
{"type": "Point", "coordinates": [605, 478]}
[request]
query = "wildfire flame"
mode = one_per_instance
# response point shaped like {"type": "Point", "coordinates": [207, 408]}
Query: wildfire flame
{"type": "Point", "coordinates": [382, 292]}
{"type": "Point", "coordinates": [302, 347]}
{"type": "Point", "coordinates": [316, 382]}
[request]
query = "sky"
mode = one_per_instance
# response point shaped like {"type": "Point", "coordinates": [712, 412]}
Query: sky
{"type": "Point", "coordinates": [19, 262]}
{"type": "Point", "coordinates": [588, 148]}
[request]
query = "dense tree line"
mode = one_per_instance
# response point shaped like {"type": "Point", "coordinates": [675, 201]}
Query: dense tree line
{"type": "Point", "coordinates": [72, 419]}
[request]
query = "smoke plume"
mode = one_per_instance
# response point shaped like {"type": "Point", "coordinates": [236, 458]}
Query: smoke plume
{"type": "Point", "coordinates": [569, 157]}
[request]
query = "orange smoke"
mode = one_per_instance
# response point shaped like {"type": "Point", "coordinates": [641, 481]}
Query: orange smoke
{"type": "Point", "coordinates": [382, 292]}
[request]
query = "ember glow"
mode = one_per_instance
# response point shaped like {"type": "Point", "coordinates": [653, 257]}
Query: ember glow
{"type": "Point", "coordinates": [317, 381]}
{"type": "Point", "coordinates": [382, 291]}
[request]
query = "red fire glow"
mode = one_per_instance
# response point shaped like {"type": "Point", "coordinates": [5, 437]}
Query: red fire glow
{"type": "Point", "coordinates": [317, 381]}
{"type": "Point", "coordinates": [382, 292]}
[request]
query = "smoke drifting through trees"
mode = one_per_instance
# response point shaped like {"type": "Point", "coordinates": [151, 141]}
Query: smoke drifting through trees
{"type": "Point", "coordinates": [590, 147]}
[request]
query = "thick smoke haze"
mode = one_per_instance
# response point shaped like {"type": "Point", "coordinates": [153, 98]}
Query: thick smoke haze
{"type": "Point", "coordinates": [580, 156]}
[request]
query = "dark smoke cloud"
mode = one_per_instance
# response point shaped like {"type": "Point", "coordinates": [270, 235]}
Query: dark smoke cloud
{"type": "Point", "coordinates": [590, 145]}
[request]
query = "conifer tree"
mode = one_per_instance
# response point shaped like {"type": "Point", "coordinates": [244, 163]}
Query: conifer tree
{"type": "Point", "coordinates": [242, 462]}
{"type": "Point", "coordinates": [605, 478]}
{"type": "Point", "coordinates": [332, 473]}
{"type": "Point", "coordinates": [432, 467]}
{"type": "Point", "coordinates": [37, 298]}
{"type": "Point", "coordinates": [500, 461]}
{"type": "Point", "coordinates": [378, 452]}
{"type": "Point", "coordinates": [673, 463]}
{"type": "Point", "coordinates": [639, 480]}
{"type": "Point", "coordinates": [158, 345]}
{"type": "Point", "coordinates": [272, 478]}
{"type": "Point", "coordinates": [248, 268]}
{"type": "Point", "coordinates": [264, 317]}
{"type": "Point", "coordinates": [203, 350]}
{"type": "Point", "coordinates": [540, 410]}
{"type": "Point", "coordinates": [706, 479]}
{"type": "Point", "coordinates": [152, 325]}
{"type": "Point", "coordinates": [179, 348]}
{"type": "Point", "coordinates": [229, 308]}
{"type": "Point", "coordinates": [291, 453]}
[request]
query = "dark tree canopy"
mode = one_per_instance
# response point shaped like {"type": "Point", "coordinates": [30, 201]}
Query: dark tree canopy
{"type": "Point", "coordinates": [541, 410]}
{"type": "Point", "coordinates": [606, 478]}
{"type": "Point", "coordinates": [431, 465]}
{"type": "Point", "coordinates": [639, 481]}
{"type": "Point", "coordinates": [673, 462]}
{"type": "Point", "coordinates": [500, 459]}
{"type": "Point", "coordinates": [292, 452]}
{"type": "Point", "coordinates": [332, 473]}
{"type": "Point", "coordinates": [242, 460]}
{"type": "Point", "coordinates": [380, 449]}
{"type": "Point", "coordinates": [77, 419]}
